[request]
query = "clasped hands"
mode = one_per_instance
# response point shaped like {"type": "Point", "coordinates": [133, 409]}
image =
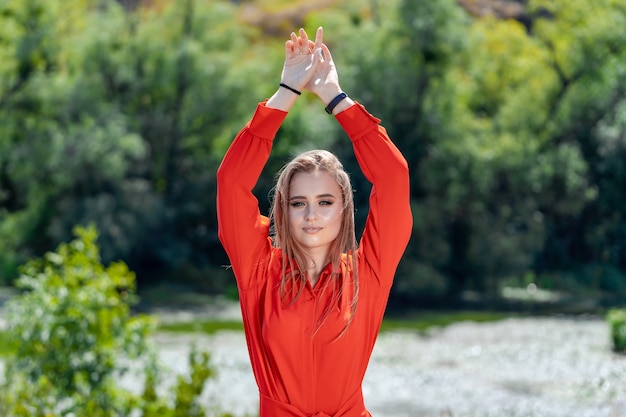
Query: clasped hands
{"type": "Point", "coordinates": [309, 65]}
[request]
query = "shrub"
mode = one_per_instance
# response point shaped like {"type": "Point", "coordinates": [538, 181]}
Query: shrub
{"type": "Point", "coordinates": [72, 336]}
{"type": "Point", "coordinates": [617, 323]}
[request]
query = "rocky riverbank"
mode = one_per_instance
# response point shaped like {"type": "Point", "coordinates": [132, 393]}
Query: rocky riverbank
{"type": "Point", "coordinates": [518, 367]}
{"type": "Point", "coordinates": [532, 367]}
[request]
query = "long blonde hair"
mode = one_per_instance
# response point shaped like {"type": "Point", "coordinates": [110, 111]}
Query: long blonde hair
{"type": "Point", "coordinates": [343, 248]}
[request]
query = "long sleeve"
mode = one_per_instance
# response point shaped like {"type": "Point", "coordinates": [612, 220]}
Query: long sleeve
{"type": "Point", "coordinates": [243, 231]}
{"type": "Point", "coordinates": [389, 222]}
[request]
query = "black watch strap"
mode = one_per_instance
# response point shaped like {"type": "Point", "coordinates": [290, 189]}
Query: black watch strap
{"type": "Point", "coordinates": [333, 103]}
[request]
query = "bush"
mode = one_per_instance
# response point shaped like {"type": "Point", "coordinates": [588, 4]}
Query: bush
{"type": "Point", "coordinates": [72, 336]}
{"type": "Point", "coordinates": [617, 323]}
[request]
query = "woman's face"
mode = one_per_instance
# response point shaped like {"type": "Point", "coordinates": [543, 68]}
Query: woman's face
{"type": "Point", "coordinates": [315, 210]}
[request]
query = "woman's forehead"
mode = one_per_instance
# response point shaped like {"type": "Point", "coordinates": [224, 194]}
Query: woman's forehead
{"type": "Point", "coordinates": [315, 182]}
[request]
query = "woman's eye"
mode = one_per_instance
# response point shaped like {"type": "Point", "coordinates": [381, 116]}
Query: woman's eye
{"type": "Point", "coordinates": [297, 204]}
{"type": "Point", "coordinates": [326, 203]}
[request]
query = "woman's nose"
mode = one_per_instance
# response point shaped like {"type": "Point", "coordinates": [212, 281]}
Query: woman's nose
{"type": "Point", "coordinates": [310, 212]}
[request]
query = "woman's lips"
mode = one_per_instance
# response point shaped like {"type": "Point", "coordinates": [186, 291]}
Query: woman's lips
{"type": "Point", "coordinates": [311, 229]}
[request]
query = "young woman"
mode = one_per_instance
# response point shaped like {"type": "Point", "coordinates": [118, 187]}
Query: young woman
{"type": "Point", "coordinates": [312, 300]}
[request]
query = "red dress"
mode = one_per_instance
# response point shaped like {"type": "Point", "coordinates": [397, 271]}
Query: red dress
{"type": "Point", "coordinates": [302, 369]}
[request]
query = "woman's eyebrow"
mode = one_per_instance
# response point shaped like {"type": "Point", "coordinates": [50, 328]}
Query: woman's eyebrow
{"type": "Point", "coordinates": [301, 197]}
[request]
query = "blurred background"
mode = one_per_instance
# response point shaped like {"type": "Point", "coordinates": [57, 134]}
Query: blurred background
{"type": "Point", "coordinates": [114, 116]}
{"type": "Point", "coordinates": [512, 115]}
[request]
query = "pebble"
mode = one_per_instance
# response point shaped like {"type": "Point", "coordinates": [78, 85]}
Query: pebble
{"type": "Point", "coordinates": [518, 367]}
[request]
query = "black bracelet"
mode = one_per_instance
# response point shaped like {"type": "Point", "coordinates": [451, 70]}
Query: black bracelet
{"type": "Point", "coordinates": [293, 90]}
{"type": "Point", "coordinates": [333, 103]}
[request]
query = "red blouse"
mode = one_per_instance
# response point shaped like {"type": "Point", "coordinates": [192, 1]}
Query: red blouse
{"type": "Point", "coordinates": [302, 369]}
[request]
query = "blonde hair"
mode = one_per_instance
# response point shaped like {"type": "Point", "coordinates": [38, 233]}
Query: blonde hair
{"type": "Point", "coordinates": [294, 259]}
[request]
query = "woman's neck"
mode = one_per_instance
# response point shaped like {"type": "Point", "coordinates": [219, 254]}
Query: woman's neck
{"type": "Point", "coordinates": [317, 265]}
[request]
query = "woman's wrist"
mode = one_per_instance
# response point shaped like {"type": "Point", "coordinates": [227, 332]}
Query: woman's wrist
{"type": "Point", "coordinates": [336, 101]}
{"type": "Point", "coordinates": [327, 95]}
{"type": "Point", "coordinates": [344, 104]}
{"type": "Point", "coordinates": [283, 99]}
{"type": "Point", "coordinates": [290, 88]}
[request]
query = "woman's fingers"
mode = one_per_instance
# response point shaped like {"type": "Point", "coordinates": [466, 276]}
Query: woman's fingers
{"type": "Point", "coordinates": [305, 46]}
{"type": "Point", "coordinates": [319, 38]}
{"type": "Point", "coordinates": [300, 44]}
{"type": "Point", "coordinates": [289, 48]}
{"type": "Point", "coordinates": [327, 56]}
{"type": "Point", "coordinates": [304, 42]}
{"type": "Point", "coordinates": [294, 45]}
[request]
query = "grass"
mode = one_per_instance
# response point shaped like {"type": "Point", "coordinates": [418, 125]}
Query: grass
{"type": "Point", "coordinates": [201, 326]}
{"type": "Point", "coordinates": [426, 320]}
{"type": "Point", "coordinates": [420, 322]}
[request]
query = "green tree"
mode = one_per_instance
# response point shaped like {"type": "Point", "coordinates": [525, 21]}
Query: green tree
{"type": "Point", "coordinates": [587, 55]}
{"type": "Point", "coordinates": [123, 126]}
{"type": "Point", "coordinates": [511, 174]}
{"type": "Point", "coordinates": [50, 147]}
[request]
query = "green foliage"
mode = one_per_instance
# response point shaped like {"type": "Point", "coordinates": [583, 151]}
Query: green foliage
{"type": "Point", "coordinates": [586, 56]}
{"type": "Point", "coordinates": [117, 129]}
{"type": "Point", "coordinates": [73, 336]}
{"type": "Point", "coordinates": [75, 315]}
{"type": "Point", "coordinates": [59, 146]}
{"type": "Point", "coordinates": [5, 347]}
{"type": "Point", "coordinates": [514, 133]}
{"type": "Point", "coordinates": [187, 390]}
{"type": "Point", "coordinates": [508, 185]}
{"type": "Point", "coordinates": [617, 323]}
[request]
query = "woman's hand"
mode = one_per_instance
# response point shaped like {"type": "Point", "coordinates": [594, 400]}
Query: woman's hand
{"type": "Point", "coordinates": [301, 59]}
{"type": "Point", "coordinates": [308, 65]}
{"type": "Point", "coordinates": [325, 80]}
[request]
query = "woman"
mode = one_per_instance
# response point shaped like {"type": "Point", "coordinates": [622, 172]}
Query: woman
{"type": "Point", "coordinates": [312, 302]}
